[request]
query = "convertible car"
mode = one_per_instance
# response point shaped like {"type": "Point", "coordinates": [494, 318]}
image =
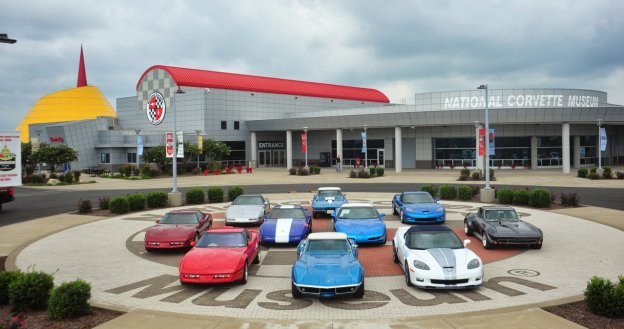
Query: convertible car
{"type": "Point", "coordinates": [501, 226]}
{"type": "Point", "coordinates": [176, 229]}
{"type": "Point", "coordinates": [327, 266]}
{"type": "Point", "coordinates": [327, 199]}
{"type": "Point", "coordinates": [221, 255]}
{"type": "Point", "coordinates": [286, 224]}
{"type": "Point", "coordinates": [418, 208]}
{"type": "Point", "coordinates": [433, 257]}
{"type": "Point", "coordinates": [360, 222]}
{"type": "Point", "coordinates": [247, 209]}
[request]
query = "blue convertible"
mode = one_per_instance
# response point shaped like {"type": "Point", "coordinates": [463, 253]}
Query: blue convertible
{"type": "Point", "coordinates": [286, 224]}
{"type": "Point", "coordinates": [327, 266]}
{"type": "Point", "coordinates": [327, 199]}
{"type": "Point", "coordinates": [418, 207]}
{"type": "Point", "coordinates": [360, 222]}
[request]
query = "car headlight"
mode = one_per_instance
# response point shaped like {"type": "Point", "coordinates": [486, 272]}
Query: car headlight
{"type": "Point", "coordinates": [440, 209]}
{"type": "Point", "coordinates": [474, 264]}
{"type": "Point", "coordinates": [421, 265]}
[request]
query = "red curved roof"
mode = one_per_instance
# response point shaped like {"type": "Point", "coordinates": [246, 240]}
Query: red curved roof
{"type": "Point", "coordinates": [211, 79]}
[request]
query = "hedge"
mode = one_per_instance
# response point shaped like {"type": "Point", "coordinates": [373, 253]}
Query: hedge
{"type": "Point", "coordinates": [119, 205]}
{"type": "Point", "coordinates": [69, 300]}
{"type": "Point", "coordinates": [604, 297]}
{"type": "Point", "coordinates": [540, 198]}
{"type": "Point", "coordinates": [431, 189]}
{"type": "Point", "coordinates": [505, 196]}
{"type": "Point", "coordinates": [464, 193]}
{"type": "Point", "coordinates": [157, 199]}
{"type": "Point", "coordinates": [521, 197]}
{"type": "Point", "coordinates": [448, 192]}
{"type": "Point", "coordinates": [136, 202]}
{"type": "Point", "coordinates": [234, 192]}
{"type": "Point", "coordinates": [195, 196]}
{"type": "Point", "coordinates": [215, 194]}
{"type": "Point", "coordinates": [30, 290]}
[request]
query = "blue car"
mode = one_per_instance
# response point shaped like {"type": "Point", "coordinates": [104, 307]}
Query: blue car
{"type": "Point", "coordinates": [418, 208]}
{"type": "Point", "coordinates": [360, 222]}
{"type": "Point", "coordinates": [286, 224]}
{"type": "Point", "coordinates": [327, 199]}
{"type": "Point", "coordinates": [327, 266]}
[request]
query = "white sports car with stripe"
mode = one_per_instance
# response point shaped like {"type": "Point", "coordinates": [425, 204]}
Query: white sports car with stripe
{"type": "Point", "coordinates": [286, 224]}
{"type": "Point", "coordinates": [433, 257]}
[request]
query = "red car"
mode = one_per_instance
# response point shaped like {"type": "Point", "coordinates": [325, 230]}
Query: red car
{"type": "Point", "coordinates": [222, 255]}
{"type": "Point", "coordinates": [177, 229]}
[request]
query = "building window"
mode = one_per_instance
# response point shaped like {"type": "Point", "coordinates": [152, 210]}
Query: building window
{"type": "Point", "coordinates": [105, 157]}
{"type": "Point", "coordinates": [223, 125]}
{"type": "Point", "coordinates": [236, 125]}
{"type": "Point", "coordinates": [131, 157]}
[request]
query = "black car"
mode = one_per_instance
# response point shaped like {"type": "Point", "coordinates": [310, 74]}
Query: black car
{"type": "Point", "coordinates": [501, 226]}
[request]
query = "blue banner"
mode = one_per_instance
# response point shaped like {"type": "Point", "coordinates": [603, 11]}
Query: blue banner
{"type": "Point", "coordinates": [139, 145]}
{"type": "Point", "coordinates": [603, 139]}
{"type": "Point", "coordinates": [492, 149]}
{"type": "Point", "coordinates": [363, 142]}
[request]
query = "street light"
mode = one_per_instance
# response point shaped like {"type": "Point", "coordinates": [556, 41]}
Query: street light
{"type": "Point", "coordinates": [305, 131]}
{"type": "Point", "coordinates": [175, 142]}
{"type": "Point", "coordinates": [599, 144]}
{"type": "Point", "coordinates": [137, 131]}
{"type": "Point", "coordinates": [365, 147]}
{"type": "Point", "coordinates": [487, 138]}
{"type": "Point", "coordinates": [197, 131]}
{"type": "Point", "coordinates": [4, 38]}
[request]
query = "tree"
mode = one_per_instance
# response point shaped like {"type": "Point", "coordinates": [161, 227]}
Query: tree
{"type": "Point", "coordinates": [53, 155]}
{"type": "Point", "coordinates": [156, 155]}
{"type": "Point", "coordinates": [190, 151]}
{"type": "Point", "coordinates": [215, 150]}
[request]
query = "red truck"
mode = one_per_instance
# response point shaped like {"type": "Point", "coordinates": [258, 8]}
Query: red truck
{"type": "Point", "coordinates": [6, 195]}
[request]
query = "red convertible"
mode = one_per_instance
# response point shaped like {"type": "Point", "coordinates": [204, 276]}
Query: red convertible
{"type": "Point", "coordinates": [177, 229]}
{"type": "Point", "coordinates": [221, 255]}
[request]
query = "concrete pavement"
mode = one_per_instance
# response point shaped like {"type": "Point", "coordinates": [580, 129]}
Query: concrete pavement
{"type": "Point", "coordinates": [14, 236]}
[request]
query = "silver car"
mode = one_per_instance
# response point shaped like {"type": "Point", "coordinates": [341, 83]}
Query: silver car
{"type": "Point", "coordinates": [247, 209]}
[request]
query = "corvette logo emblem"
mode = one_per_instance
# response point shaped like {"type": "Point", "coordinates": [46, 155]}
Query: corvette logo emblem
{"type": "Point", "coordinates": [156, 108]}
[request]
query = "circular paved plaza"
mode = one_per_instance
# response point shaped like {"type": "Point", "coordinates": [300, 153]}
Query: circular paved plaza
{"type": "Point", "coordinates": [109, 254]}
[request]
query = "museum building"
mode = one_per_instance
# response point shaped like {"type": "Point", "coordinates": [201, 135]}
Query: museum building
{"type": "Point", "coordinates": [265, 119]}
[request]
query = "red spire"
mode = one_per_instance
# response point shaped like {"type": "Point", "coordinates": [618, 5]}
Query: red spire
{"type": "Point", "coordinates": [82, 72]}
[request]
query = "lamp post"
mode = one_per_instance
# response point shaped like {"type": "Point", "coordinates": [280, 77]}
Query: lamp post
{"type": "Point", "coordinates": [38, 132]}
{"type": "Point", "coordinates": [305, 131]}
{"type": "Point", "coordinates": [487, 138]}
{"type": "Point", "coordinates": [137, 131]}
{"type": "Point", "coordinates": [197, 131]}
{"type": "Point", "coordinates": [175, 142]}
{"type": "Point", "coordinates": [599, 146]}
{"type": "Point", "coordinates": [366, 147]}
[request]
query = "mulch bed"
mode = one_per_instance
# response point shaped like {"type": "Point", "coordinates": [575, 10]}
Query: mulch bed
{"type": "Point", "coordinates": [40, 319]}
{"type": "Point", "coordinates": [579, 313]}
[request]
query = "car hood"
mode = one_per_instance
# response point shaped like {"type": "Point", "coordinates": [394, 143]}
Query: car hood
{"type": "Point", "coordinates": [360, 226]}
{"type": "Point", "coordinates": [328, 269]}
{"type": "Point", "coordinates": [438, 258]}
{"type": "Point", "coordinates": [212, 260]}
{"type": "Point", "coordinates": [283, 228]}
{"type": "Point", "coordinates": [169, 232]}
{"type": "Point", "coordinates": [513, 228]}
{"type": "Point", "coordinates": [421, 207]}
{"type": "Point", "coordinates": [244, 212]}
{"type": "Point", "coordinates": [330, 200]}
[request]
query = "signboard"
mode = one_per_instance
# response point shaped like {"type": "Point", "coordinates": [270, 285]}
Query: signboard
{"type": "Point", "coordinates": [492, 149]}
{"type": "Point", "coordinates": [10, 158]}
{"type": "Point", "coordinates": [304, 143]}
{"type": "Point", "coordinates": [156, 108]}
{"type": "Point", "coordinates": [273, 145]}
{"type": "Point", "coordinates": [521, 100]}
{"type": "Point", "coordinates": [603, 139]}
{"type": "Point", "coordinates": [481, 142]}
{"type": "Point", "coordinates": [180, 145]}
{"type": "Point", "coordinates": [169, 144]}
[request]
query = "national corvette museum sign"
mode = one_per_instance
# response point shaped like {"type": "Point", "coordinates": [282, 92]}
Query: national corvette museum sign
{"type": "Point", "coordinates": [520, 101]}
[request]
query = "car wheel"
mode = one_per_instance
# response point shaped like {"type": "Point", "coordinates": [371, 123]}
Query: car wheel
{"type": "Point", "coordinates": [394, 211]}
{"type": "Point", "coordinates": [245, 274]}
{"type": "Point", "coordinates": [486, 241]}
{"type": "Point", "coordinates": [294, 291]}
{"type": "Point", "coordinates": [408, 281]}
{"type": "Point", "coordinates": [149, 249]}
{"type": "Point", "coordinates": [467, 229]}
{"type": "Point", "coordinates": [359, 293]}
{"type": "Point", "coordinates": [395, 255]}
{"type": "Point", "coordinates": [257, 259]}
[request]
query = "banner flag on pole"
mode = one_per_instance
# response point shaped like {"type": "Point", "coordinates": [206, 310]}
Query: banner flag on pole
{"type": "Point", "coordinates": [603, 139]}
{"type": "Point", "coordinates": [180, 144]}
{"type": "Point", "coordinates": [169, 144]}
{"type": "Point", "coordinates": [304, 143]}
{"type": "Point", "coordinates": [200, 143]}
{"type": "Point", "coordinates": [139, 145]}
{"type": "Point", "coordinates": [363, 142]}
{"type": "Point", "coordinates": [492, 149]}
{"type": "Point", "coordinates": [481, 142]}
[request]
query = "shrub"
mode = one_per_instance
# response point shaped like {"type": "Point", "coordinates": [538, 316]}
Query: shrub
{"type": "Point", "coordinates": [363, 174]}
{"type": "Point", "coordinates": [5, 280]}
{"type": "Point", "coordinates": [604, 297]}
{"type": "Point", "coordinates": [69, 300]}
{"type": "Point", "coordinates": [195, 196]}
{"type": "Point", "coordinates": [157, 199]}
{"type": "Point", "coordinates": [53, 175]}
{"type": "Point", "coordinates": [464, 172]}
{"type": "Point", "coordinates": [491, 173]}
{"type": "Point", "coordinates": [352, 174]}
{"type": "Point", "coordinates": [582, 172]}
{"type": "Point", "coordinates": [234, 192]}
{"type": "Point", "coordinates": [619, 174]}
{"type": "Point", "coordinates": [520, 197]}
{"type": "Point", "coordinates": [125, 170]}
{"type": "Point", "coordinates": [146, 171]}
{"type": "Point", "coordinates": [380, 171]}
{"type": "Point", "coordinates": [69, 178]}
{"type": "Point", "coordinates": [292, 171]}
{"type": "Point", "coordinates": [303, 172]}
{"type": "Point", "coordinates": [464, 192]}
{"type": "Point", "coordinates": [136, 202]}
{"type": "Point", "coordinates": [104, 202]}
{"type": "Point", "coordinates": [119, 205]}
{"type": "Point", "coordinates": [475, 189]}
{"type": "Point", "coordinates": [463, 177]}
{"type": "Point", "coordinates": [593, 175]}
{"type": "Point", "coordinates": [569, 199]}
{"type": "Point", "coordinates": [84, 206]}
{"type": "Point", "coordinates": [476, 175]}
{"type": "Point", "coordinates": [505, 196]}
{"type": "Point", "coordinates": [372, 171]}
{"type": "Point", "coordinates": [429, 188]}
{"type": "Point", "coordinates": [76, 174]}
{"type": "Point", "coordinates": [448, 192]}
{"type": "Point", "coordinates": [540, 198]}
{"type": "Point", "coordinates": [607, 173]}
{"type": "Point", "coordinates": [37, 179]}
{"type": "Point", "coordinates": [593, 170]}
{"type": "Point", "coordinates": [317, 170]}
{"type": "Point", "coordinates": [30, 290]}
{"type": "Point", "coordinates": [215, 194]}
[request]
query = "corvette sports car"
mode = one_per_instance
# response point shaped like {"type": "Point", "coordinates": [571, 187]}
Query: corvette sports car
{"type": "Point", "coordinates": [327, 199]}
{"type": "Point", "coordinates": [433, 257]}
{"type": "Point", "coordinates": [247, 209]}
{"type": "Point", "coordinates": [176, 229]}
{"type": "Point", "coordinates": [360, 222]}
{"type": "Point", "coordinates": [501, 226]}
{"type": "Point", "coordinates": [286, 224]}
{"type": "Point", "coordinates": [327, 266]}
{"type": "Point", "coordinates": [418, 208]}
{"type": "Point", "coordinates": [221, 255]}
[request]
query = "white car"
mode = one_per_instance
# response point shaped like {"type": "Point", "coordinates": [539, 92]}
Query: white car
{"type": "Point", "coordinates": [247, 209]}
{"type": "Point", "coordinates": [433, 257]}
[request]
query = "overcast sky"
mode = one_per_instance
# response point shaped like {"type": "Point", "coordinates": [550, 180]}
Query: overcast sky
{"type": "Point", "coordinates": [397, 47]}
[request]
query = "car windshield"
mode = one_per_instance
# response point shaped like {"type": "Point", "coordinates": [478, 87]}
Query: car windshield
{"type": "Point", "coordinates": [501, 215]}
{"type": "Point", "coordinates": [329, 245]}
{"type": "Point", "coordinates": [329, 193]}
{"type": "Point", "coordinates": [357, 213]}
{"type": "Point", "coordinates": [180, 218]}
{"type": "Point", "coordinates": [417, 198]}
{"type": "Point", "coordinates": [433, 239]}
{"type": "Point", "coordinates": [250, 200]}
{"type": "Point", "coordinates": [287, 213]}
{"type": "Point", "coordinates": [232, 239]}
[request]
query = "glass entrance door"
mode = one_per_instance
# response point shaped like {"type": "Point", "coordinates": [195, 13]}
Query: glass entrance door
{"type": "Point", "coordinates": [380, 157]}
{"type": "Point", "coordinates": [264, 158]}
